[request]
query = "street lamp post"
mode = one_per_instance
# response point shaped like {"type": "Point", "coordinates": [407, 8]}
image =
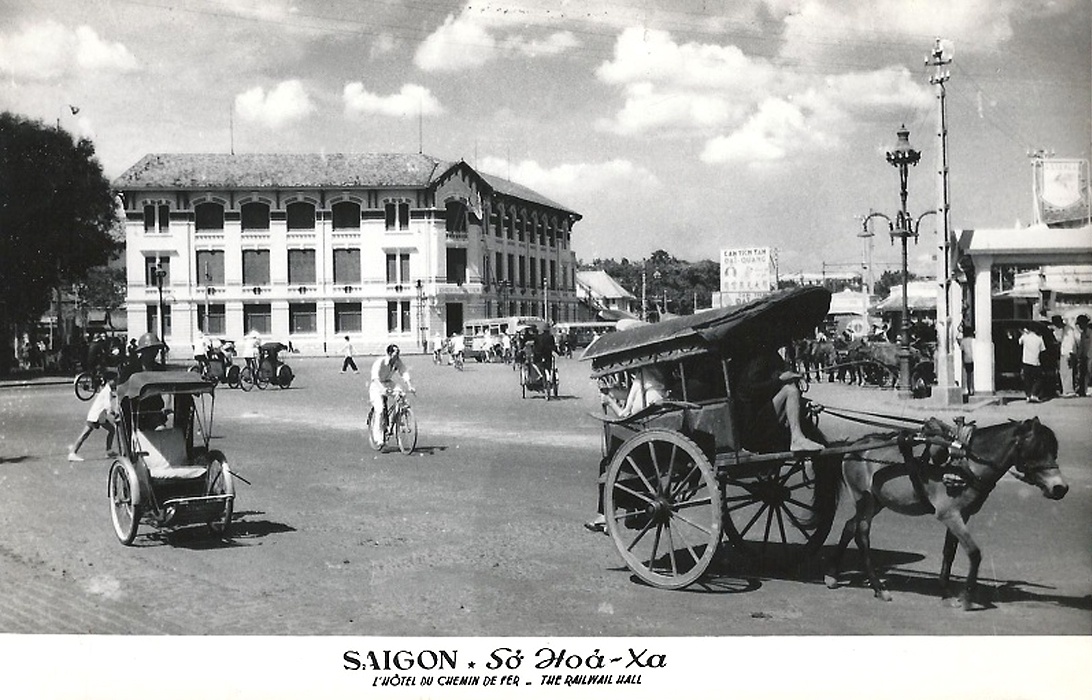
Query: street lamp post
{"type": "Point", "coordinates": [160, 273]}
{"type": "Point", "coordinates": [904, 226]}
{"type": "Point", "coordinates": [545, 301]}
{"type": "Point", "coordinates": [422, 337]}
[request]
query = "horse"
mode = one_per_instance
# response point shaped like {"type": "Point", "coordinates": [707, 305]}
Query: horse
{"type": "Point", "coordinates": [890, 476]}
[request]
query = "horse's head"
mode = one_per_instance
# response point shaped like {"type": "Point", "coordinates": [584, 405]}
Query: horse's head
{"type": "Point", "coordinates": [1036, 458]}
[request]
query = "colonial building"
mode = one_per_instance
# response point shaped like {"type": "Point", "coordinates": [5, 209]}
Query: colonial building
{"type": "Point", "coordinates": [308, 248]}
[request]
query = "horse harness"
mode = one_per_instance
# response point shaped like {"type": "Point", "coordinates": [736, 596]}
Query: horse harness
{"type": "Point", "coordinates": [946, 455]}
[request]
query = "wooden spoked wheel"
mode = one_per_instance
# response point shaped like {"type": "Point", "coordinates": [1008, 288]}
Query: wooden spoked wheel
{"type": "Point", "coordinates": [771, 509]}
{"type": "Point", "coordinates": [662, 507]}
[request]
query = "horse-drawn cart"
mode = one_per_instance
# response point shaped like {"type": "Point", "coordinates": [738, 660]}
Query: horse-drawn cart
{"type": "Point", "coordinates": [682, 474]}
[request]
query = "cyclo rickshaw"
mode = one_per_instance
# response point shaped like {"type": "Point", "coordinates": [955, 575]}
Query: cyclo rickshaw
{"type": "Point", "coordinates": [677, 477]}
{"type": "Point", "coordinates": [533, 375]}
{"type": "Point", "coordinates": [270, 369]}
{"type": "Point", "coordinates": [166, 476]}
{"type": "Point", "coordinates": [220, 365]}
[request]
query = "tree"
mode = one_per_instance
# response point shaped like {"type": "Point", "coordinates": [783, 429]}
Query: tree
{"type": "Point", "coordinates": [679, 280]}
{"type": "Point", "coordinates": [889, 279]}
{"type": "Point", "coordinates": [56, 213]}
{"type": "Point", "coordinates": [104, 288]}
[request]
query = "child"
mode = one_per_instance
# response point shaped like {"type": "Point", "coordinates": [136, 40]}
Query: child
{"type": "Point", "coordinates": [101, 414]}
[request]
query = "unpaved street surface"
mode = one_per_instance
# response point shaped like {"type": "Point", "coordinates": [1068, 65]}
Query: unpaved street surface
{"type": "Point", "coordinates": [479, 531]}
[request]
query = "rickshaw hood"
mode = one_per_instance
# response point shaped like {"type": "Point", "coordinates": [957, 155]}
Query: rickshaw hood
{"type": "Point", "coordinates": [141, 385]}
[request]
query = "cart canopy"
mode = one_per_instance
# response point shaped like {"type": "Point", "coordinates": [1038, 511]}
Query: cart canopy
{"type": "Point", "coordinates": [141, 385]}
{"type": "Point", "coordinates": [774, 321]}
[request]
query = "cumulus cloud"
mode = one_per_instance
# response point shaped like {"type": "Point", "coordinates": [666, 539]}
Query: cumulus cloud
{"type": "Point", "coordinates": [50, 50]}
{"type": "Point", "coordinates": [286, 103]}
{"type": "Point", "coordinates": [747, 109]}
{"type": "Point", "coordinates": [814, 27]}
{"type": "Point", "coordinates": [556, 43]}
{"type": "Point", "coordinates": [574, 179]}
{"type": "Point", "coordinates": [458, 44]}
{"type": "Point", "coordinates": [480, 34]}
{"type": "Point", "coordinates": [410, 101]}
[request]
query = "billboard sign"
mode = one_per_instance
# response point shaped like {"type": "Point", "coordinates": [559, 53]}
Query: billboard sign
{"type": "Point", "coordinates": [747, 274]}
{"type": "Point", "coordinates": [1061, 190]}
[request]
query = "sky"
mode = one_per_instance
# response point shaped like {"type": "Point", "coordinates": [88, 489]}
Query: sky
{"type": "Point", "coordinates": [688, 126]}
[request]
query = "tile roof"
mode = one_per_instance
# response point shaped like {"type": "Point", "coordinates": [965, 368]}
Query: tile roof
{"type": "Point", "coordinates": [289, 170]}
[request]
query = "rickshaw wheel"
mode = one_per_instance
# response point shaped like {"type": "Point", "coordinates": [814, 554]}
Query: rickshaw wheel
{"type": "Point", "coordinates": [246, 379]}
{"type": "Point", "coordinates": [377, 446]}
{"type": "Point", "coordinates": [221, 483]}
{"type": "Point", "coordinates": [772, 510]}
{"type": "Point", "coordinates": [84, 386]}
{"type": "Point", "coordinates": [261, 378]}
{"type": "Point", "coordinates": [284, 376]}
{"type": "Point", "coordinates": [125, 508]}
{"type": "Point", "coordinates": [406, 431]}
{"type": "Point", "coordinates": [233, 377]}
{"type": "Point", "coordinates": [662, 507]}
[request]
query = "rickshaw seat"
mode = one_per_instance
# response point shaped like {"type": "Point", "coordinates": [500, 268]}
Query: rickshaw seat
{"type": "Point", "coordinates": [165, 454]}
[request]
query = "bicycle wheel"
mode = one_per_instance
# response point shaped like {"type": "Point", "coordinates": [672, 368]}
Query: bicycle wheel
{"type": "Point", "coordinates": [261, 378]}
{"type": "Point", "coordinates": [406, 430]}
{"type": "Point", "coordinates": [377, 446]}
{"type": "Point", "coordinates": [84, 386]}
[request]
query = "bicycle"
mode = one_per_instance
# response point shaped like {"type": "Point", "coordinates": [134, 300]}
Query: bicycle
{"type": "Point", "coordinates": [400, 423]}
{"type": "Point", "coordinates": [86, 384]}
{"type": "Point", "coordinates": [457, 360]}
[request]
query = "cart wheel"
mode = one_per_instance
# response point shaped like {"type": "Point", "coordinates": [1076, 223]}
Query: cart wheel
{"type": "Point", "coordinates": [284, 376]}
{"type": "Point", "coordinates": [84, 386]}
{"type": "Point", "coordinates": [221, 483]}
{"type": "Point", "coordinates": [246, 379]}
{"type": "Point", "coordinates": [773, 511]}
{"type": "Point", "coordinates": [261, 378]}
{"type": "Point", "coordinates": [377, 446]}
{"type": "Point", "coordinates": [662, 507]}
{"type": "Point", "coordinates": [125, 509]}
{"type": "Point", "coordinates": [233, 374]}
{"type": "Point", "coordinates": [406, 428]}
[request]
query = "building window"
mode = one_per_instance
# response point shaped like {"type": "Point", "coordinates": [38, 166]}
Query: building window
{"type": "Point", "coordinates": [510, 275]}
{"type": "Point", "coordinates": [553, 275]}
{"type": "Point", "coordinates": [522, 271]}
{"type": "Point", "coordinates": [456, 265]}
{"type": "Point", "coordinates": [255, 216]}
{"type": "Point", "coordinates": [398, 268]}
{"type": "Point", "coordinates": [302, 318]}
{"type": "Point", "coordinates": [214, 323]}
{"type": "Point", "coordinates": [346, 265]}
{"type": "Point", "coordinates": [397, 215]}
{"type": "Point", "coordinates": [301, 216]}
{"type": "Point", "coordinates": [257, 317]}
{"type": "Point", "coordinates": [256, 268]}
{"type": "Point", "coordinates": [456, 217]}
{"type": "Point", "coordinates": [398, 317]}
{"type": "Point", "coordinates": [209, 216]}
{"type": "Point", "coordinates": [151, 262]}
{"type": "Point", "coordinates": [301, 266]}
{"type": "Point", "coordinates": [346, 216]}
{"type": "Point", "coordinates": [347, 317]}
{"type": "Point", "coordinates": [153, 320]}
{"type": "Point", "coordinates": [210, 268]}
{"type": "Point", "coordinates": [509, 224]}
{"type": "Point", "coordinates": [157, 218]}
{"type": "Point", "coordinates": [499, 271]}
{"type": "Point", "coordinates": [495, 220]}
{"type": "Point", "coordinates": [533, 264]}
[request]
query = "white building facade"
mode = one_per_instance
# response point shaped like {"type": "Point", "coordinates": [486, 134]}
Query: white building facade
{"type": "Point", "coordinates": [309, 248]}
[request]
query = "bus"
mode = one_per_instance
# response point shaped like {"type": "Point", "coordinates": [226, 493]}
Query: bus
{"type": "Point", "coordinates": [480, 334]}
{"type": "Point", "coordinates": [580, 334]}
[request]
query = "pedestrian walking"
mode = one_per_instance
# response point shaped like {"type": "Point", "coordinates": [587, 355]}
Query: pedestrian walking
{"type": "Point", "coordinates": [1067, 356]}
{"type": "Point", "coordinates": [1084, 354]}
{"type": "Point", "coordinates": [348, 363]}
{"type": "Point", "coordinates": [966, 348]}
{"type": "Point", "coordinates": [1031, 370]}
{"type": "Point", "coordinates": [101, 415]}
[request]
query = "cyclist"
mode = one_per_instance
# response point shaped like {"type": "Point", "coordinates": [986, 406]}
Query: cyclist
{"type": "Point", "coordinates": [544, 351]}
{"type": "Point", "coordinates": [458, 349]}
{"type": "Point", "coordinates": [387, 371]}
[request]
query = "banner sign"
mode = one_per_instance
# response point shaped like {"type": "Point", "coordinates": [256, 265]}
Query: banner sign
{"type": "Point", "coordinates": [747, 274]}
{"type": "Point", "coordinates": [1061, 190]}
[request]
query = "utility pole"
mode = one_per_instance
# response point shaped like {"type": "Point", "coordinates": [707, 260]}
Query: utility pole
{"type": "Point", "coordinates": [950, 393]}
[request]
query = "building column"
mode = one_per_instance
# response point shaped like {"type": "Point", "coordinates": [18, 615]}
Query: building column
{"type": "Point", "coordinates": [983, 326]}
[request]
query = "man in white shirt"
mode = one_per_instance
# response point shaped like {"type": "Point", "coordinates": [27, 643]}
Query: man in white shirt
{"type": "Point", "coordinates": [1032, 346]}
{"type": "Point", "coordinates": [349, 362]}
{"type": "Point", "coordinates": [387, 371]}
